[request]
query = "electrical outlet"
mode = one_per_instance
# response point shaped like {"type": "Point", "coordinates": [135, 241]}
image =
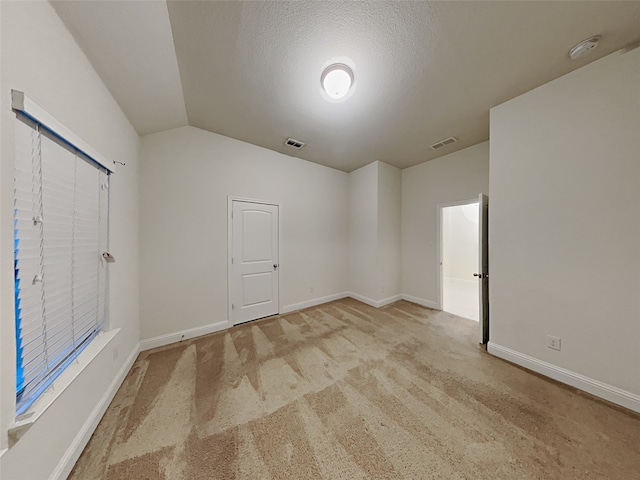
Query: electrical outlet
{"type": "Point", "coordinates": [553, 342]}
{"type": "Point", "coordinates": [381, 289]}
{"type": "Point", "coordinates": [311, 289]}
{"type": "Point", "coordinates": [115, 354]}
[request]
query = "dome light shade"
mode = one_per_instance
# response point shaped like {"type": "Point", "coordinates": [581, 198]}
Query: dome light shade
{"type": "Point", "coordinates": [336, 80]}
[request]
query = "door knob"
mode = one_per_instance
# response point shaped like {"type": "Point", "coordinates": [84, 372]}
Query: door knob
{"type": "Point", "coordinates": [275, 266]}
{"type": "Point", "coordinates": [477, 275]}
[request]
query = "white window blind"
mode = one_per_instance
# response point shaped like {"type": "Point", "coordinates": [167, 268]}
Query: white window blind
{"type": "Point", "coordinates": [60, 232]}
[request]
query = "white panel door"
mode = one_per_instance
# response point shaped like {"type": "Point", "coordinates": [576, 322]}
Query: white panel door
{"type": "Point", "coordinates": [254, 261]}
{"type": "Point", "coordinates": [483, 267]}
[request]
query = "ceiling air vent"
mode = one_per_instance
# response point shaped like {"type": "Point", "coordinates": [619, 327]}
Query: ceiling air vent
{"type": "Point", "coordinates": [444, 143]}
{"type": "Point", "coordinates": [294, 143]}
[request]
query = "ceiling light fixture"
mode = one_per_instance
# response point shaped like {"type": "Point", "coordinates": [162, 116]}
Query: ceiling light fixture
{"type": "Point", "coordinates": [337, 80]}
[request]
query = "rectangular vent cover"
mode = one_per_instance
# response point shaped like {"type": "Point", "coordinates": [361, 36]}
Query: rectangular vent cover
{"type": "Point", "coordinates": [294, 143]}
{"type": "Point", "coordinates": [444, 143]}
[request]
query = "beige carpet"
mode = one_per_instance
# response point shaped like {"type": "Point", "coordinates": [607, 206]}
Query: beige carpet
{"type": "Point", "coordinates": [346, 391]}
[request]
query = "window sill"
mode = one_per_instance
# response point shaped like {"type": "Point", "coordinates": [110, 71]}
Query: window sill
{"type": "Point", "coordinates": [24, 421]}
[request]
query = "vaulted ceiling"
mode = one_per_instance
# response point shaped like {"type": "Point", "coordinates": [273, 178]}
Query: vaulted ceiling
{"type": "Point", "coordinates": [251, 70]}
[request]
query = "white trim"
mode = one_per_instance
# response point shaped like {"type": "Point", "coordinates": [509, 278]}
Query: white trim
{"type": "Point", "coordinates": [21, 103]}
{"type": "Point", "coordinates": [312, 303]}
{"type": "Point", "coordinates": [420, 301]}
{"type": "Point", "coordinates": [458, 203]}
{"type": "Point", "coordinates": [169, 338]}
{"type": "Point", "coordinates": [374, 303]}
{"type": "Point", "coordinates": [230, 200]}
{"type": "Point", "coordinates": [252, 200]}
{"type": "Point", "coordinates": [389, 300]}
{"type": "Point", "coordinates": [608, 392]}
{"type": "Point", "coordinates": [363, 299]}
{"type": "Point", "coordinates": [230, 253]}
{"type": "Point", "coordinates": [69, 459]}
{"type": "Point", "coordinates": [26, 420]}
{"type": "Point", "coordinates": [174, 337]}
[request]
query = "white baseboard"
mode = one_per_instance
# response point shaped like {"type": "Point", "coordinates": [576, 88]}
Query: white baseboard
{"type": "Point", "coordinates": [374, 303]}
{"type": "Point", "coordinates": [69, 459]}
{"type": "Point", "coordinates": [388, 300]}
{"type": "Point", "coordinates": [599, 389]}
{"type": "Point", "coordinates": [162, 340]}
{"type": "Point", "coordinates": [362, 298]}
{"type": "Point", "coordinates": [174, 337]}
{"type": "Point", "coordinates": [420, 301]}
{"type": "Point", "coordinates": [312, 303]}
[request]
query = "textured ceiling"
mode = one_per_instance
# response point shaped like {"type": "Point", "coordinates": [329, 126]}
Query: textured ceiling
{"type": "Point", "coordinates": [251, 70]}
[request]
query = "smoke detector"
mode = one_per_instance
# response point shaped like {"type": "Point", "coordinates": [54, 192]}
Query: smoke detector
{"type": "Point", "coordinates": [290, 142]}
{"type": "Point", "coordinates": [584, 47]}
{"type": "Point", "coordinates": [444, 143]}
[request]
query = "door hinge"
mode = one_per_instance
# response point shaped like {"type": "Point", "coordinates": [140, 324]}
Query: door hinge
{"type": "Point", "coordinates": [231, 260]}
{"type": "Point", "coordinates": [233, 306]}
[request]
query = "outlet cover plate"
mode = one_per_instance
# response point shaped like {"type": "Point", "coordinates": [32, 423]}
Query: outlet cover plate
{"type": "Point", "coordinates": [553, 342]}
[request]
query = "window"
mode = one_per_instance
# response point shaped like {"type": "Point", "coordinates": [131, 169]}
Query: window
{"type": "Point", "coordinates": [60, 233]}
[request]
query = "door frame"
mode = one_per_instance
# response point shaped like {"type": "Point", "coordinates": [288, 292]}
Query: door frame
{"type": "Point", "coordinates": [483, 268]}
{"type": "Point", "coordinates": [439, 232]}
{"type": "Point", "coordinates": [230, 200]}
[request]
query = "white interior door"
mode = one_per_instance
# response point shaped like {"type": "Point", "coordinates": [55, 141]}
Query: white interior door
{"type": "Point", "coordinates": [254, 261]}
{"type": "Point", "coordinates": [483, 267]}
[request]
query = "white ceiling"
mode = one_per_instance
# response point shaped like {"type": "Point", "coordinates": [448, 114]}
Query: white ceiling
{"type": "Point", "coordinates": [131, 47]}
{"type": "Point", "coordinates": [251, 70]}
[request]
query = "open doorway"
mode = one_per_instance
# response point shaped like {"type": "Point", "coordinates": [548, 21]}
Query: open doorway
{"type": "Point", "coordinates": [459, 258]}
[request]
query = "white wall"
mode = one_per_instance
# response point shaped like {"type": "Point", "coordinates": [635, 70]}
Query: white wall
{"type": "Point", "coordinates": [389, 231]}
{"type": "Point", "coordinates": [41, 58]}
{"type": "Point", "coordinates": [186, 176]}
{"type": "Point", "coordinates": [374, 233]}
{"type": "Point", "coordinates": [458, 176]}
{"type": "Point", "coordinates": [565, 224]}
{"type": "Point", "coordinates": [363, 231]}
